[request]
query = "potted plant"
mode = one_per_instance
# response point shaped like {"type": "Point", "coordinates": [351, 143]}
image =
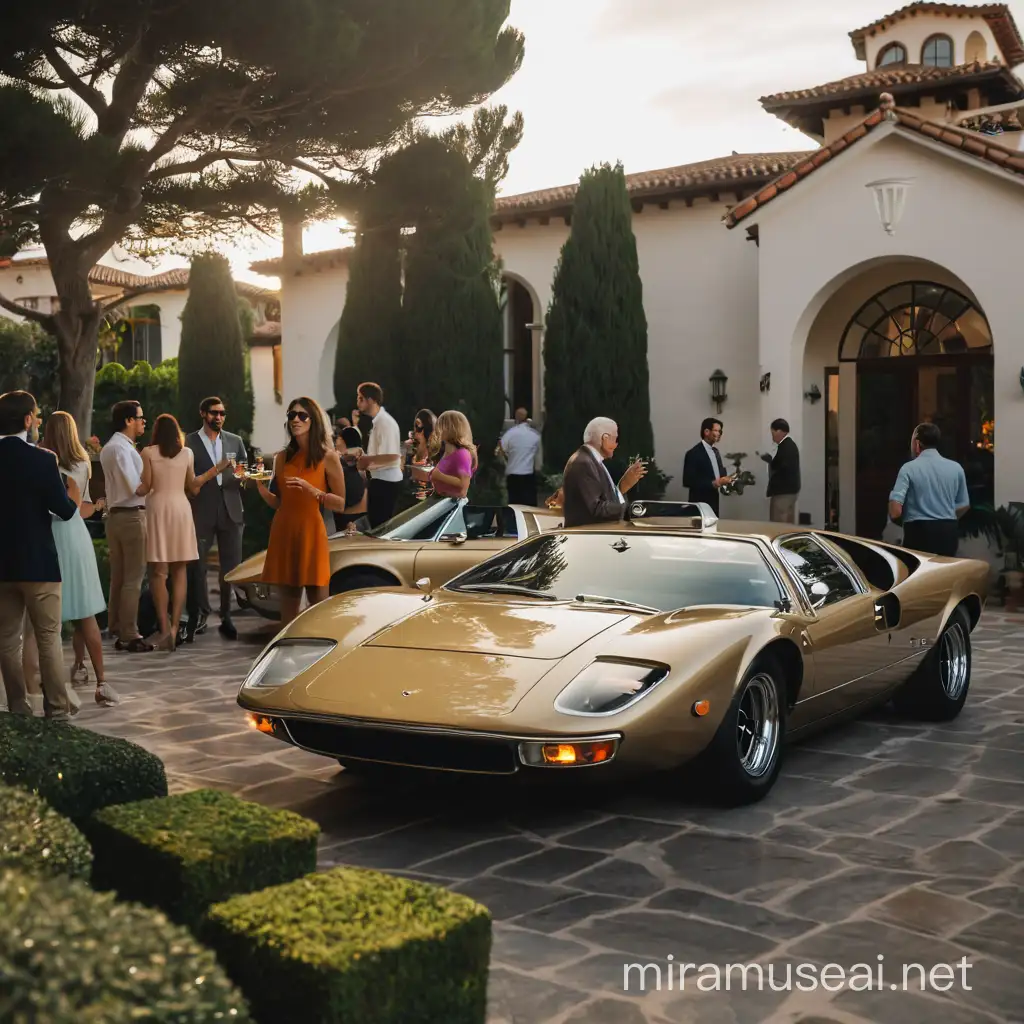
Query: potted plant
{"type": "Point", "coordinates": [1011, 527]}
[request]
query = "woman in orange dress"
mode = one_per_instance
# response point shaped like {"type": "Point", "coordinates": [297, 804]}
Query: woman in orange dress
{"type": "Point", "coordinates": [308, 477]}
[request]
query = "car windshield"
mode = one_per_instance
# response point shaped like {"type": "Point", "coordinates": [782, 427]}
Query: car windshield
{"type": "Point", "coordinates": [423, 521]}
{"type": "Point", "coordinates": [661, 572]}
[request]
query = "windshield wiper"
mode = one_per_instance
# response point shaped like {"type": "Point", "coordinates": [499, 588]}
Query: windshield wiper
{"type": "Point", "coordinates": [615, 602]}
{"type": "Point", "coordinates": [505, 588]}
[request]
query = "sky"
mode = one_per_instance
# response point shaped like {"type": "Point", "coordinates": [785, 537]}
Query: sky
{"type": "Point", "coordinates": [653, 83]}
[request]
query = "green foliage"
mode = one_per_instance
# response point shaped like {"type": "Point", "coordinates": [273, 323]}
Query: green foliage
{"type": "Point", "coordinates": [211, 359]}
{"type": "Point", "coordinates": [181, 853]}
{"type": "Point", "coordinates": [102, 550]}
{"type": "Point", "coordinates": [69, 955]}
{"type": "Point", "coordinates": [28, 362]}
{"type": "Point", "coordinates": [76, 771]}
{"type": "Point", "coordinates": [595, 342]}
{"type": "Point", "coordinates": [368, 338]}
{"type": "Point", "coordinates": [258, 518]}
{"type": "Point", "coordinates": [356, 946]}
{"type": "Point", "coordinates": [155, 388]}
{"type": "Point", "coordinates": [35, 839]}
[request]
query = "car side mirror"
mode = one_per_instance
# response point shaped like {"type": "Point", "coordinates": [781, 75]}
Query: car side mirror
{"type": "Point", "coordinates": [453, 538]}
{"type": "Point", "coordinates": [424, 584]}
{"type": "Point", "coordinates": [819, 591]}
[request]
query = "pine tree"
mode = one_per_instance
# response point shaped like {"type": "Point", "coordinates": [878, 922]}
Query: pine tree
{"type": "Point", "coordinates": [368, 333]}
{"type": "Point", "coordinates": [211, 359]}
{"type": "Point", "coordinates": [595, 341]}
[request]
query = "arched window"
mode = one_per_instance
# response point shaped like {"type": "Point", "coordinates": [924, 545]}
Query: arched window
{"type": "Point", "coordinates": [915, 318]}
{"type": "Point", "coordinates": [976, 49]}
{"type": "Point", "coordinates": [894, 53]}
{"type": "Point", "coordinates": [937, 52]}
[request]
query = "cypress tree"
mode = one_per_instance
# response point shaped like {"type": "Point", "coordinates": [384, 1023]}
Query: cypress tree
{"type": "Point", "coordinates": [595, 341]}
{"type": "Point", "coordinates": [368, 331]}
{"type": "Point", "coordinates": [211, 360]}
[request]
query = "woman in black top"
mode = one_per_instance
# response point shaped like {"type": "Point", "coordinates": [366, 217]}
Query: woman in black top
{"type": "Point", "coordinates": [355, 481]}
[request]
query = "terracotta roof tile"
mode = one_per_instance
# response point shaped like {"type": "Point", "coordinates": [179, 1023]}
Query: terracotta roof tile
{"type": "Point", "coordinates": [956, 138]}
{"type": "Point", "coordinates": [998, 16]}
{"type": "Point", "coordinates": [891, 79]}
{"type": "Point", "coordinates": [323, 260]}
{"type": "Point", "coordinates": [693, 179]}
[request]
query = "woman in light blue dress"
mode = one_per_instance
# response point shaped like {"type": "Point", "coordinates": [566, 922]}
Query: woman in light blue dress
{"type": "Point", "coordinates": [82, 597]}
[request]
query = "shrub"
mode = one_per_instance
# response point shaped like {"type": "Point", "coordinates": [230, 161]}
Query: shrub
{"type": "Point", "coordinates": [184, 852]}
{"type": "Point", "coordinates": [34, 838]}
{"type": "Point", "coordinates": [69, 955]}
{"type": "Point", "coordinates": [76, 771]}
{"type": "Point", "coordinates": [356, 946]}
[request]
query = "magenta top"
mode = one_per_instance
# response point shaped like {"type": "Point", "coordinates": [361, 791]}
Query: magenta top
{"type": "Point", "coordinates": [458, 462]}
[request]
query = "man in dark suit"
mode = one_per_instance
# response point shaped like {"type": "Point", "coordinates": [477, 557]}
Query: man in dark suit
{"type": "Point", "coordinates": [703, 470]}
{"type": "Point", "coordinates": [783, 474]}
{"type": "Point", "coordinates": [29, 570]}
{"type": "Point", "coordinates": [218, 515]}
{"type": "Point", "coordinates": [589, 495]}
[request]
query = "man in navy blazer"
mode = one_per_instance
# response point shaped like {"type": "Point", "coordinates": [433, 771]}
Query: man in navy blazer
{"type": "Point", "coordinates": [29, 570]}
{"type": "Point", "coordinates": [703, 470]}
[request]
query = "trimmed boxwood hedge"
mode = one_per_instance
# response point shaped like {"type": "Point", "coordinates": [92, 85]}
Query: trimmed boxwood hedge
{"type": "Point", "coordinates": [36, 839]}
{"type": "Point", "coordinates": [76, 771]}
{"type": "Point", "coordinates": [358, 947]}
{"type": "Point", "coordinates": [69, 955]}
{"type": "Point", "coordinates": [181, 853]}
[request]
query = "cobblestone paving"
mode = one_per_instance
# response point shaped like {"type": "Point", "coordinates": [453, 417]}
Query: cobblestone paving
{"type": "Point", "coordinates": [882, 838]}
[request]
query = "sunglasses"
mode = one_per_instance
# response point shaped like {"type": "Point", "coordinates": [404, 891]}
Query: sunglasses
{"type": "Point", "coordinates": [298, 414]}
{"type": "Point", "coordinates": [418, 428]}
{"type": "Point", "coordinates": [219, 413]}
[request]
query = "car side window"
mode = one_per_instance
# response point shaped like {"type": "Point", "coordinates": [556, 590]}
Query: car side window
{"type": "Point", "coordinates": [823, 577]}
{"type": "Point", "coordinates": [485, 522]}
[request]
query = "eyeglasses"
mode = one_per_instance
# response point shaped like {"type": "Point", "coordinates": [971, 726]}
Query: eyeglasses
{"type": "Point", "coordinates": [221, 413]}
{"type": "Point", "coordinates": [418, 427]}
{"type": "Point", "coordinates": [143, 418]}
{"type": "Point", "coordinates": [297, 414]}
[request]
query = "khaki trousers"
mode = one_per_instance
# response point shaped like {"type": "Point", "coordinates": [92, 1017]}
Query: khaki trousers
{"type": "Point", "coordinates": [783, 508]}
{"type": "Point", "coordinates": [126, 542]}
{"type": "Point", "coordinates": [41, 602]}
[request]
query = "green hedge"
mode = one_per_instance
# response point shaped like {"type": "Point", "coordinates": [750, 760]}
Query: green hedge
{"type": "Point", "coordinates": [357, 947]}
{"type": "Point", "coordinates": [184, 852]}
{"type": "Point", "coordinates": [36, 839]}
{"type": "Point", "coordinates": [69, 955]}
{"type": "Point", "coordinates": [76, 771]}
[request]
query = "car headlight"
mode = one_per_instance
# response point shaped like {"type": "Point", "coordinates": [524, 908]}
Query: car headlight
{"type": "Point", "coordinates": [284, 661]}
{"type": "Point", "coordinates": [607, 687]}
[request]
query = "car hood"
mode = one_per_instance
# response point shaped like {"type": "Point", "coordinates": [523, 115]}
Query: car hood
{"type": "Point", "coordinates": [251, 569]}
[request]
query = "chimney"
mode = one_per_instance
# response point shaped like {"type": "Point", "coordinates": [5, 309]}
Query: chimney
{"type": "Point", "coordinates": [291, 231]}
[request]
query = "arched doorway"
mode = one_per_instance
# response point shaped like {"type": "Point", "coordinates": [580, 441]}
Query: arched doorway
{"type": "Point", "coordinates": [923, 353]}
{"type": "Point", "coordinates": [522, 347]}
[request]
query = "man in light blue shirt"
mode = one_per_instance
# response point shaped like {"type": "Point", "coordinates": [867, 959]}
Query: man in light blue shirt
{"type": "Point", "coordinates": [930, 496]}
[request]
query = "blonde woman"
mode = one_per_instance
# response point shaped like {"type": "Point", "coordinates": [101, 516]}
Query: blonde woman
{"type": "Point", "coordinates": [452, 438]}
{"type": "Point", "coordinates": [82, 597]}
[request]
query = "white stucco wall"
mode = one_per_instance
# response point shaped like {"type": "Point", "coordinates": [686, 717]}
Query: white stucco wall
{"type": "Point", "coordinates": [912, 33]}
{"type": "Point", "coordinates": [311, 305]}
{"type": "Point", "coordinates": [268, 416]}
{"type": "Point", "coordinates": [825, 233]}
{"type": "Point", "coordinates": [700, 297]}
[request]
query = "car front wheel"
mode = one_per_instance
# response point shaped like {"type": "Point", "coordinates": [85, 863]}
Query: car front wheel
{"type": "Point", "coordinates": [744, 757]}
{"type": "Point", "coordinates": [937, 690]}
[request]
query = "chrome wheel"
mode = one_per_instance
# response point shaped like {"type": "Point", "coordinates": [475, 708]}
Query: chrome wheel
{"type": "Point", "coordinates": [953, 661]}
{"type": "Point", "coordinates": [758, 725]}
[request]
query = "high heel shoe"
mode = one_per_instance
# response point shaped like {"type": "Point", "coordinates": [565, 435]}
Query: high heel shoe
{"type": "Point", "coordinates": [106, 695]}
{"type": "Point", "coordinates": [167, 643]}
{"type": "Point", "coordinates": [79, 675]}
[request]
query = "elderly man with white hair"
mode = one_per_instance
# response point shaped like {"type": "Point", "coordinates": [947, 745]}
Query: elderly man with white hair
{"type": "Point", "coordinates": [589, 495]}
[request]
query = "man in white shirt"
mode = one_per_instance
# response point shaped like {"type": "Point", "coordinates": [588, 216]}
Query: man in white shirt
{"type": "Point", "coordinates": [520, 446]}
{"type": "Point", "coordinates": [383, 458]}
{"type": "Point", "coordinates": [125, 525]}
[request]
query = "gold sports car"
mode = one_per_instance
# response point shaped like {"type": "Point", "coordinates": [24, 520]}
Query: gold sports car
{"type": "Point", "coordinates": [632, 646]}
{"type": "Point", "coordinates": [438, 537]}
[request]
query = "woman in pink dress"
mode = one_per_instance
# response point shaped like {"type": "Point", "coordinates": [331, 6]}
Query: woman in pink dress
{"type": "Point", "coordinates": [454, 470]}
{"type": "Point", "coordinates": [168, 477]}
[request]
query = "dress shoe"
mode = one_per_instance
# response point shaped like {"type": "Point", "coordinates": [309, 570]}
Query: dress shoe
{"type": "Point", "coordinates": [227, 628]}
{"type": "Point", "coordinates": [201, 625]}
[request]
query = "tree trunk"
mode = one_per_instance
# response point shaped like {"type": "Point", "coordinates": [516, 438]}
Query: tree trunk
{"type": "Point", "coordinates": [77, 329]}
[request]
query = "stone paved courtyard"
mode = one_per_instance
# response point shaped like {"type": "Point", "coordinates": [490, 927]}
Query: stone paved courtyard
{"type": "Point", "coordinates": [882, 838]}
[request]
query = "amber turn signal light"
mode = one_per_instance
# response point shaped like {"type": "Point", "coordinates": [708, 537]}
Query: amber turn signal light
{"type": "Point", "coordinates": [701, 708]}
{"type": "Point", "coordinates": [569, 754]}
{"type": "Point", "coordinates": [261, 723]}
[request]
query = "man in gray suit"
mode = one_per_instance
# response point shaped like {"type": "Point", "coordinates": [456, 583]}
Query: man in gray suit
{"type": "Point", "coordinates": [589, 495]}
{"type": "Point", "coordinates": [217, 512]}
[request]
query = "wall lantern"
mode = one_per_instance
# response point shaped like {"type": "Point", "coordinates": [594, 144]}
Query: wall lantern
{"type": "Point", "coordinates": [814, 395]}
{"type": "Point", "coordinates": [1022, 378]}
{"type": "Point", "coordinates": [890, 201]}
{"type": "Point", "coordinates": [718, 382]}
{"type": "Point", "coordinates": [20, 279]}
{"type": "Point", "coordinates": [766, 383]}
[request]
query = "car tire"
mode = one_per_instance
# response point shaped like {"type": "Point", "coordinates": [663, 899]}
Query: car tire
{"type": "Point", "coordinates": [360, 579]}
{"type": "Point", "coordinates": [740, 773]}
{"type": "Point", "coordinates": [937, 690]}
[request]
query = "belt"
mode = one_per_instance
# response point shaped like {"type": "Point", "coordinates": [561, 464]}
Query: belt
{"type": "Point", "coordinates": [127, 508]}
